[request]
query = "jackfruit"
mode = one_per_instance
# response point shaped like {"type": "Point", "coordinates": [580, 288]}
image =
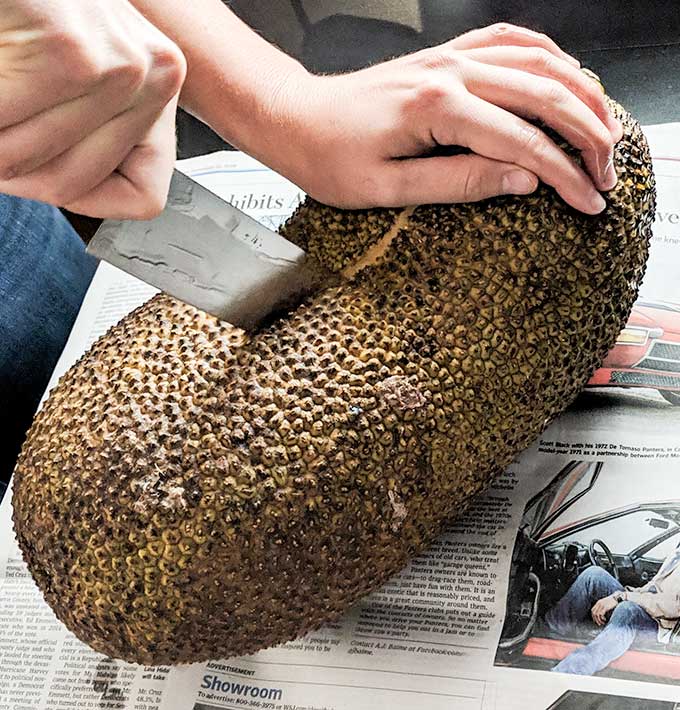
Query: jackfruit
{"type": "Point", "coordinates": [189, 492]}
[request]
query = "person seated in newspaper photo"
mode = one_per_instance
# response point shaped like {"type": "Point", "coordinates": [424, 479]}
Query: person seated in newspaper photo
{"type": "Point", "coordinates": [625, 614]}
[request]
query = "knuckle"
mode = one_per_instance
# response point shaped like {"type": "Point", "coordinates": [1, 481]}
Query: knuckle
{"type": "Point", "coordinates": [472, 185]}
{"type": "Point", "coordinates": [595, 97]}
{"type": "Point", "coordinates": [593, 93]}
{"type": "Point", "coordinates": [501, 29]}
{"type": "Point", "coordinates": [530, 139]}
{"type": "Point", "coordinates": [170, 55]}
{"type": "Point", "coordinates": [431, 91]}
{"type": "Point", "coordinates": [149, 206]}
{"type": "Point", "coordinates": [443, 56]}
{"type": "Point", "coordinates": [74, 55]}
{"type": "Point", "coordinates": [543, 59]}
{"type": "Point", "coordinates": [425, 100]}
{"type": "Point", "coordinates": [9, 168]}
{"type": "Point", "coordinates": [602, 140]}
{"type": "Point", "coordinates": [130, 74]}
{"type": "Point", "coordinates": [61, 194]}
{"type": "Point", "coordinates": [169, 68]}
{"type": "Point", "coordinates": [555, 93]}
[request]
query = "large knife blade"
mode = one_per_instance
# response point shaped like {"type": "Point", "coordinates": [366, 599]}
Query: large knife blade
{"type": "Point", "coordinates": [209, 254]}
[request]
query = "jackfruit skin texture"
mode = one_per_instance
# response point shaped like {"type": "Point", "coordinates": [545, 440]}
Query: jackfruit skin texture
{"type": "Point", "coordinates": [189, 492]}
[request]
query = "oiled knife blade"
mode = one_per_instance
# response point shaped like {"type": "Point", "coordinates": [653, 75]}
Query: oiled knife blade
{"type": "Point", "coordinates": [211, 255]}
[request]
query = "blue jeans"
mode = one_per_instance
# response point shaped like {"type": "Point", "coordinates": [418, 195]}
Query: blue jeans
{"type": "Point", "coordinates": [627, 620]}
{"type": "Point", "coordinates": [44, 273]}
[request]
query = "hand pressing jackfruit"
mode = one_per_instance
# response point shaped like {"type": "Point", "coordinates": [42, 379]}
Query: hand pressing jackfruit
{"type": "Point", "coordinates": [189, 492]}
{"type": "Point", "coordinates": [358, 140]}
{"type": "Point", "coordinates": [480, 91]}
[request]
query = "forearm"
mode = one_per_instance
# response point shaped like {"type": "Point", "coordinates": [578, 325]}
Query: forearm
{"type": "Point", "coordinates": [659, 606]}
{"type": "Point", "coordinates": [235, 78]}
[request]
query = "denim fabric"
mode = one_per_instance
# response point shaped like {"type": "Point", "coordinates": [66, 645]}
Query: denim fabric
{"type": "Point", "coordinates": [44, 273]}
{"type": "Point", "coordinates": [626, 621]}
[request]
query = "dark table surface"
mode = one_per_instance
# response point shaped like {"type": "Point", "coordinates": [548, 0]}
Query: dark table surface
{"type": "Point", "coordinates": [633, 46]}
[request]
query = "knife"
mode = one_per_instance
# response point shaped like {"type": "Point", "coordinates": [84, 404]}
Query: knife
{"type": "Point", "coordinates": [211, 255]}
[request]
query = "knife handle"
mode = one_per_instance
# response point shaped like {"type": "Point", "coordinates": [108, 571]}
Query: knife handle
{"type": "Point", "coordinates": [84, 226]}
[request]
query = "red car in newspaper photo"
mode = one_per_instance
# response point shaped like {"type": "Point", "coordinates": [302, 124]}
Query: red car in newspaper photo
{"type": "Point", "coordinates": [599, 536]}
{"type": "Point", "coordinates": [647, 352]}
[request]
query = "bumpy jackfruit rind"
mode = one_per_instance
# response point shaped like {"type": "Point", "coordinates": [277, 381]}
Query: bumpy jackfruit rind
{"type": "Point", "coordinates": [321, 231]}
{"type": "Point", "coordinates": [187, 494]}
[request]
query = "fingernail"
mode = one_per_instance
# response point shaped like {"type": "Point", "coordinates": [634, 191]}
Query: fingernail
{"type": "Point", "coordinates": [597, 203]}
{"type": "Point", "coordinates": [517, 182]}
{"type": "Point", "coordinates": [609, 177]}
{"type": "Point", "coordinates": [592, 75]}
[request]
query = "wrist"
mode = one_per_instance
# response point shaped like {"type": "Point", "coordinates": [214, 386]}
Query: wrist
{"type": "Point", "coordinates": [273, 126]}
{"type": "Point", "coordinates": [290, 124]}
{"type": "Point", "coordinates": [292, 139]}
{"type": "Point", "coordinates": [254, 114]}
{"type": "Point", "coordinates": [245, 89]}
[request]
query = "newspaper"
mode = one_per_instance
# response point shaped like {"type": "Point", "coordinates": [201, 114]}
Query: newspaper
{"type": "Point", "coordinates": [479, 621]}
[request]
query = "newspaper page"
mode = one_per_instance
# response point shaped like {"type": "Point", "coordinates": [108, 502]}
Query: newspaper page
{"type": "Point", "coordinates": [497, 613]}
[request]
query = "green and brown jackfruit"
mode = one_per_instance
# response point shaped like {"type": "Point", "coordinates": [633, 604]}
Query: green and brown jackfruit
{"type": "Point", "coordinates": [189, 492]}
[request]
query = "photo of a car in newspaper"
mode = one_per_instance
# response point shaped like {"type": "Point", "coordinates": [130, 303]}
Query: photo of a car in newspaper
{"type": "Point", "coordinates": [597, 544]}
{"type": "Point", "coordinates": [579, 700]}
{"type": "Point", "coordinates": [646, 353]}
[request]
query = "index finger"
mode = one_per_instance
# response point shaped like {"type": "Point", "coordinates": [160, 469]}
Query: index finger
{"type": "Point", "coordinates": [139, 187]}
{"type": "Point", "coordinates": [503, 33]}
{"type": "Point", "coordinates": [24, 98]}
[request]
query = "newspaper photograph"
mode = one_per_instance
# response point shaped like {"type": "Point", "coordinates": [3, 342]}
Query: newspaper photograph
{"type": "Point", "coordinates": [558, 588]}
{"type": "Point", "coordinates": [595, 579]}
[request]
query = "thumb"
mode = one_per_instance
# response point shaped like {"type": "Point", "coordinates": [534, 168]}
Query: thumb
{"type": "Point", "coordinates": [460, 178]}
